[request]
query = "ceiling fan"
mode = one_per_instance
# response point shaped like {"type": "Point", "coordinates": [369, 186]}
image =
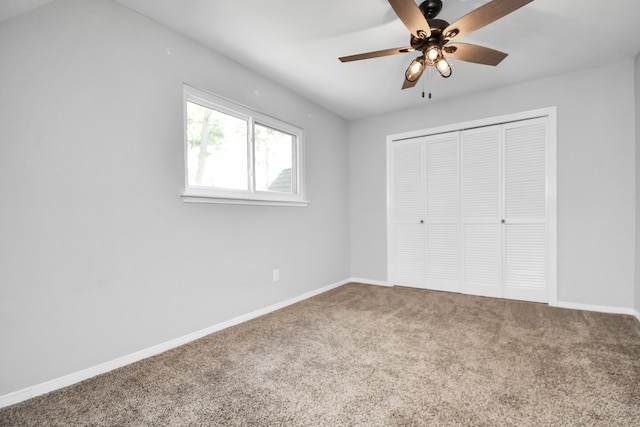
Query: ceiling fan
{"type": "Point", "coordinates": [431, 36]}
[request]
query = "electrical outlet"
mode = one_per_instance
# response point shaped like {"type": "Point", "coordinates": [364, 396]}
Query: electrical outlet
{"type": "Point", "coordinates": [276, 275]}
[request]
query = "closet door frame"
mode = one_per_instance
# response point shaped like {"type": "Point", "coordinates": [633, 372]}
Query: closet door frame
{"type": "Point", "coordinates": [550, 114]}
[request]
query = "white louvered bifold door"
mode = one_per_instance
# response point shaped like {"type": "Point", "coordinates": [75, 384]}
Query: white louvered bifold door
{"type": "Point", "coordinates": [473, 211]}
{"type": "Point", "coordinates": [442, 207]}
{"type": "Point", "coordinates": [481, 211]}
{"type": "Point", "coordinates": [407, 213]}
{"type": "Point", "coordinates": [525, 211]}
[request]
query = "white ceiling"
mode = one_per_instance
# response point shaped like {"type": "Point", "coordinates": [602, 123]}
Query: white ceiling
{"type": "Point", "coordinates": [297, 44]}
{"type": "Point", "coordinates": [11, 8]}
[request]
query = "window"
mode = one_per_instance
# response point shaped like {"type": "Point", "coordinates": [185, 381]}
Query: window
{"type": "Point", "coordinates": [236, 155]}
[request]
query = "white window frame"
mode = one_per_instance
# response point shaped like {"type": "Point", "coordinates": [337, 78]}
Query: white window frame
{"type": "Point", "coordinates": [202, 194]}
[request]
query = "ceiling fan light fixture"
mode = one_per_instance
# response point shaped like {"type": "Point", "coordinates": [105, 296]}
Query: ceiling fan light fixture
{"type": "Point", "coordinates": [433, 54]}
{"type": "Point", "coordinates": [415, 69]}
{"type": "Point", "coordinates": [444, 68]}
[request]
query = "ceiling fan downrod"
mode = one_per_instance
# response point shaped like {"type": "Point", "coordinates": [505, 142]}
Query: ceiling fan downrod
{"type": "Point", "coordinates": [431, 8]}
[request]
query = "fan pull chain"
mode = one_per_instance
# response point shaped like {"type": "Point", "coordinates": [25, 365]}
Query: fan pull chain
{"type": "Point", "coordinates": [423, 83]}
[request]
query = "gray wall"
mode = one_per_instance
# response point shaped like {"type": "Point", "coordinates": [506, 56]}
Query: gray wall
{"type": "Point", "coordinates": [637, 118]}
{"type": "Point", "coordinates": [596, 176]}
{"type": "Point", "coordinates": [99, 255]}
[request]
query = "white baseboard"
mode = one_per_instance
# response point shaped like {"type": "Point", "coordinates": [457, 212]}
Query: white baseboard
{"type": "Point", "coordinates": [596, 308]}
{"type": "Point", "coordinates": [67, 380]}
{"type": "Point", "coordinates": [369, 282]}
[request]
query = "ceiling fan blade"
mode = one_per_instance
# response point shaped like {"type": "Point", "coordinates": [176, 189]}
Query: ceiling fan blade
{"type": "Point", "coordinates": [376, 54]}
{"type": "Point", "coordinates": [474, 53]}
{"type": "Point", "coordinates": [408, 84]}
{"type": "Point", "coordinates": [482, 16]}
{"type": "Point", "coordinates": [411, 16]}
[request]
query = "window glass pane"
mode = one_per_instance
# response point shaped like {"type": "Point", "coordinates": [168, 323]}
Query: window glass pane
{"type": "Point", "coordinates": [217, 149]}
{"type": "Point", "coordinates": [273, 160]}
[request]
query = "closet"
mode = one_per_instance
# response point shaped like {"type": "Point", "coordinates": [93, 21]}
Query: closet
{"type": "Point", "coordinates": [472, 210]}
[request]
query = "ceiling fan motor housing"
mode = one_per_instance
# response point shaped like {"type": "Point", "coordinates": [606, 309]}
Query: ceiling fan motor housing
{"type": "Point", "coordinates": [431, 8]}
{"type": "Point", "coordinates": [437, 26]}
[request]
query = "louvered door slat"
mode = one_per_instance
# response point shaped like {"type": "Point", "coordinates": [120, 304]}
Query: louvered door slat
{"type": "Point", "coordinates": [409, 254]}
{"type": "Point", "coordinates": [442, 220]}
{"type": "Point", "coordinates": [525, 174]}
{"type": "Point", "coordinates": [407, 200]}
{"type": "Point", "coordinates": [481, 205]}
{"type": "Point", "coordinates": [442, 255]}
{"type": "Point", "coordinates": [482, 253]}
{"type": "Point", "coordinates": [442, 178]}
{"type": "Point", "coordinates": [525, 229]}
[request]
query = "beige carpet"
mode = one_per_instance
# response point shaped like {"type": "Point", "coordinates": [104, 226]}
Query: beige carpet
{"type": "Point", "coordinates": [373, 356]}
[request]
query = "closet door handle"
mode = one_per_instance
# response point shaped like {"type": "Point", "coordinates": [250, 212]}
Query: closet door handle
{"type": "Point", "coordinates": [422, 221]}
{"type": "Point", "coordinates": [504, 221]}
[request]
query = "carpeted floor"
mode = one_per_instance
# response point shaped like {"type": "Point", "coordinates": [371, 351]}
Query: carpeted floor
{"type": "Point", "coordinates": [374, 356]}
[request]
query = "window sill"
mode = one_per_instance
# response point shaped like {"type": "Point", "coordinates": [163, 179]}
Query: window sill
{"type": "Point", "coordinates": [189, 198]}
